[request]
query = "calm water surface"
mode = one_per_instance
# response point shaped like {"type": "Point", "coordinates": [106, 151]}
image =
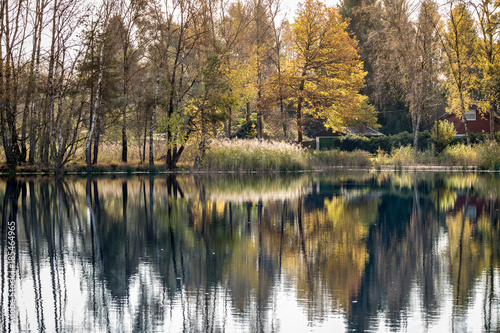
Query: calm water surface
{"type": "Point", "coordinates": [340, 252]}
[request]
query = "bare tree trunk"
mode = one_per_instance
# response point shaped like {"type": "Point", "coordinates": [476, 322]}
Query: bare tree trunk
{"type": "Point", "coordinates": [125, 98]}
{"type": "Point", "coordinates": [98, 90]}
{"type": "Point", "coordinates": [36, 52]}
{"type": "Point", "coordinates": [152, 124]}
{"type": "Point", "coordinates": [8, 104]}
{"type": "Point", "coordinates": [144, 141]}
{"type": "Point", "coordinates": [416, 119]}
{"type": "Point", "coordinates": [97, 139]}
{"type": "Point", "coordinates": [124, 132]}
{"type": "Point", "coordinates": [34, 116]}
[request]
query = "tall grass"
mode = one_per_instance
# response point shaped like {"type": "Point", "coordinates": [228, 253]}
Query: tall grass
{"type": "Point", "coordinates": [460, 155]}
{"type": "Point", "coordinates": [253, 155]}
{"type": "Point", "coordinates": [111, 152]}
{"type": "Point", "coordinates": [488, 153]}
{"type": "Point", "coordinates": [403, 156]}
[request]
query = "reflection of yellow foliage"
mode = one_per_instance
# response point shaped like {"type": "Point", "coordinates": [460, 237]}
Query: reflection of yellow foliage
{"type": "Point", "coordinates": [335, 247]}
{"type": "Point", "coordinates": [461, 181]}
{"type": "Point", "coordinates": [243, 271]}
{"type": "Point", "coordinates": [445, 198]}
{"type": "Point", "coordinates": [464, 254]}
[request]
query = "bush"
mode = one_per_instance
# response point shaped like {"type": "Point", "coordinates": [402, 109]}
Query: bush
{"type": "Point", "coordinates": [336, 157]}
{"type": "Point", "coordinates": [385, 143]}
{"type": "Point", "coordinates": [442, 133]}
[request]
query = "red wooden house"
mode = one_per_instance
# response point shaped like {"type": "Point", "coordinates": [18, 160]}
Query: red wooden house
{"type": "Point", "coordinates": [477, 123]}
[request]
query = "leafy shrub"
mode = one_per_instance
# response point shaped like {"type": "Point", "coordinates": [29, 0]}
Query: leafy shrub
{"type": "Point", "coordinates": [336, 157]}
{"type": "Point", "coordinates": [442, 133]}
{"type": "Point", "coordinates": [385, 143]}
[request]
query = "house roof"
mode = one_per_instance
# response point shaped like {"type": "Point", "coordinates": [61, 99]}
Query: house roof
{"type": "Point", "coordinates": [353, 130]}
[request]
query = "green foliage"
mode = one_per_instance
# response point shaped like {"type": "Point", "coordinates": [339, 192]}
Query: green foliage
{"type": "Point", "coordinates": [336, 157]}
{"type": "Point", "coordinates": [386, 143]}
{"type": "Point", "coordinates": [442, 134]}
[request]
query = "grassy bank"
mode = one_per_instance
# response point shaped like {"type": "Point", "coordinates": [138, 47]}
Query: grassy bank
{"type": "Point", "coordinates": [242, 156]}
{"type": "Point", "coordinates": [483, 156]}
{"type": "Point", "coordinates": [252, 155]}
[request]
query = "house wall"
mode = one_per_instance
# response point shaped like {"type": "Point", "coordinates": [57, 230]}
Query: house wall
{"type": "Point", "coordinates": [480, 125]}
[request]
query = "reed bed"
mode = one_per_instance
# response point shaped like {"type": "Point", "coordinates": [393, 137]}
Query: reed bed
{"type": "Point", "coordinates": [241, 155]}
{"type": "Point", "coordinates": [460, 155]}
{"type": "Point", "coordinates": [488, 155]}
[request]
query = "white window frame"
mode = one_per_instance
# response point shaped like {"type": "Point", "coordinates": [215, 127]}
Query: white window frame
{"type": "Point", "coordinates": [470, 115]}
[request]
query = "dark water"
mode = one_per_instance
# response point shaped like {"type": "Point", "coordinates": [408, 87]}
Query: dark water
{"type": "Point", "coordinates": [344, 252]}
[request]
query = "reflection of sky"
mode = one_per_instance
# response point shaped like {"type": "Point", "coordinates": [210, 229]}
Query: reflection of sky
{"type": "Point", "coordinates": [285, 311]}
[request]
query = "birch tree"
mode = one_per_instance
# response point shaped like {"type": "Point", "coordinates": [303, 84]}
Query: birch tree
{"type": "Point", "coordinates": [104, 15]}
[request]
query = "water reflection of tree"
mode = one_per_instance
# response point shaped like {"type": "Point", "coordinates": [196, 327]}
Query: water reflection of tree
{"type": "Point", "coordinates": [401, 248]}
{"type": "Point", "coordinates": [164, 251]}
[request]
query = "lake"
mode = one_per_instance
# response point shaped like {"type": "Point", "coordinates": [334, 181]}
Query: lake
{"type": "Point", "coordinates": [311, 252]}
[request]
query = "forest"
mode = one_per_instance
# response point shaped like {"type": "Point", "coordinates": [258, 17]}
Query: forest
{"type": "Point", "coordinates": [154, 79]}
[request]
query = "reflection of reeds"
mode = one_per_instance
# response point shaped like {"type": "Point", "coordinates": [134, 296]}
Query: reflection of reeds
{"type": "Point", "coordinates": [255, 188]}
{"type": "Point", "coordinates": [254, 155]}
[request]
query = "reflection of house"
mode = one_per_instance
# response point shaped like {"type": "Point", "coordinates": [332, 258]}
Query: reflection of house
{"type": "Point", "coordinates": [476, 206]}
{"type": "Point", "coordinates": [324, 138]}
{"type": "Point", "coordinates": [476, 122]}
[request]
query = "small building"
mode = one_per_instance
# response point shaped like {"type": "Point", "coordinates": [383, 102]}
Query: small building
{"type": "Point", "coordinates": [324, 138]}
{"type": "Point", "coordinates": [476, 122]}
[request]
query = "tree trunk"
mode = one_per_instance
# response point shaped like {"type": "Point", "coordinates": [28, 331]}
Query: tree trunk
{"type": "Point", "coordinates": [124, 134]}
{"type": "Point", "coordinates": [125, 98]}
{"type": "Point", "coordinates": [8, 107]}
{"type": "Point", "coordinates": [144, 142]}
{"type": "Point", "coordinates": [34, 115]}
{"type": "Point", "coordinates": [299, 110]}
{"type": "Point", "coordinates": [282, 106]}
{"type": "Point", "coordinates": [96, 104]}
{"type": "Point", "coordinates": [229, 123]}
{"type": "Point", "coordinates": [416, 118]}
{"type": "Point", "coordinates": [152, 124]}
{"type": "Point", "coordinates": [97, 139]}
{"type": "Point", "coordinates": [493, 112]}
{"type": "Point", "coordinates": [247, 117]}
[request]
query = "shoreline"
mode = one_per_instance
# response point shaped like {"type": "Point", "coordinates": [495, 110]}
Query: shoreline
{"type": "Point", "coordinates": [131, 170]}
